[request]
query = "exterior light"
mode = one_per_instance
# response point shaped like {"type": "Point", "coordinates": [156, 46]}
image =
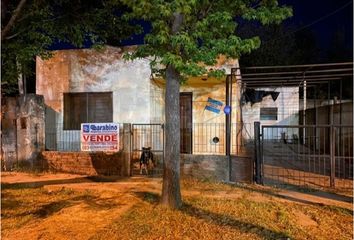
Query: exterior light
{"type": "Point", "coordinates": [227, 109]}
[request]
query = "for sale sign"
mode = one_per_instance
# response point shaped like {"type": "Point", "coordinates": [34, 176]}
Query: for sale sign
{"type": "Point", "coordinates": [99, 137]}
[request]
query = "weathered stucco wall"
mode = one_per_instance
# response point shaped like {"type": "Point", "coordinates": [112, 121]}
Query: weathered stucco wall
{"type": "Point", "coordinates": [22, 130]}
{"type": "Point", "coordinates": [8, 132]}
{"type": "Point", "coordinates": [30, 127]}
{"type": "Point", "coordinates": [89, 70]}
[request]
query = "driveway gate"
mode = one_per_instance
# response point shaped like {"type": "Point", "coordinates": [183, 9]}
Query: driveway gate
{"type": "Point", "coordinates": [147, 135]}
{"type": "Point", "coordinates": [305, 155]}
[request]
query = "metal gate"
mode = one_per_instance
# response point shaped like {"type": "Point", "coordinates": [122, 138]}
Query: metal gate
{"type": "Point", "coordinates": [305, 155]}
{"type": "Point", "coordinates": [147, 135]}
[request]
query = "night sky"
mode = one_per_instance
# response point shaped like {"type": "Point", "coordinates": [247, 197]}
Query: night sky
{"type": "Point", "coordinates": [340, 17]}
{"type": "Point", "coordinates": [322, 17]}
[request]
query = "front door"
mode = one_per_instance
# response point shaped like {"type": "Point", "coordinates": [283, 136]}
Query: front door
{"type": "Point", "coordinates": [186, 122]}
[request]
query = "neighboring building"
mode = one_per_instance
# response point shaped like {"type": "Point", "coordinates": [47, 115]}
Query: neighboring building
{"type": "Point", "coordinates": [279, 107]}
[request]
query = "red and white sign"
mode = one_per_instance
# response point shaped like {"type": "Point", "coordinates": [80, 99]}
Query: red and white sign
{"type": "Point", "coordinates": [99, 137]}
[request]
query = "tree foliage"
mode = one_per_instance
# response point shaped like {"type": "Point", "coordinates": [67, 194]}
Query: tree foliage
{"type": "Point", "coordinates": [186, 36]}
{"type": "Point", "coordinates": [33, 28]}
{"type": "Point", "coordinates": [208, 30]}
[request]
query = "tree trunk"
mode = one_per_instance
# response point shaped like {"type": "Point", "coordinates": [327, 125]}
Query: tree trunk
{"type": "Point", "coordinates": [5, 31]}
{"type": "Point", "coordinates": [20, 83]}
{"type": "Point", "coordinates": [171, 193]}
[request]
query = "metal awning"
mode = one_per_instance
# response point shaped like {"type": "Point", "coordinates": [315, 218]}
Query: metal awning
{"type": "Point", "coordinates": [293, 75]}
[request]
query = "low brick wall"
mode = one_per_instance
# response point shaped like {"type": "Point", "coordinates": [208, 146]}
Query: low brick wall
{"type": "Point", "coordinates": [216, 167]}
{"type": "Point", "coordinates": [97, 163]}
{"type": "Point", "coordinates": [242, 169]}
{"type": "Point", "coordinates": [213, 167]}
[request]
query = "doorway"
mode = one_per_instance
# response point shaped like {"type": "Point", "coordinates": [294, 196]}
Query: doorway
{"type": "Point", "coordinates": [185, 107]}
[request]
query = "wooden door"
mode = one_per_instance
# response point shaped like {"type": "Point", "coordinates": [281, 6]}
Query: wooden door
{"type": "Point", "coordinates": [186, 122]}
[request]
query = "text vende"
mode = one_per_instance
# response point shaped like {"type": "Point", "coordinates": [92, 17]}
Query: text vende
{"type": "Point", "coordinates": [100, 138]}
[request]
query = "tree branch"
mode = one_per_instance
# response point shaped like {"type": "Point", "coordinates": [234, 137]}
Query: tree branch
{"type": "Point", "coordinates": [14, 35]}
{"type": "Point", "coordinates": [12, 20]}
{"type": "Point", "coordinates": [177, 22]}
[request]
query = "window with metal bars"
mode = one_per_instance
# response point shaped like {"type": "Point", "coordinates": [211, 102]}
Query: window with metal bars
{"type": "Point", "coordinates": [269, 113]}
{"type": "Point", "coordinates": [87, 107]}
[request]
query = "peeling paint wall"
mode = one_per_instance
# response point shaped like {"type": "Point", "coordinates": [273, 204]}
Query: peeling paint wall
{"type": "Point", "coordinates": [89, 70]}
{"type": "Point", "coordinates": [8, 132]}
{"type": "Point", "coordinates": [30, 127]}
{"type": "Point", "coordinates": [22, 130]}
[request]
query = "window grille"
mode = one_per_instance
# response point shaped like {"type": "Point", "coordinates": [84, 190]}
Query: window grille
{"type": "Point", "coordinates": [87, 107]}
{"type": "Point", "coordinates": [269, 114]}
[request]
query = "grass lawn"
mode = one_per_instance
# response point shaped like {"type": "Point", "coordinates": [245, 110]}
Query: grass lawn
{"type": "Point", "coordinates": [130, 210]}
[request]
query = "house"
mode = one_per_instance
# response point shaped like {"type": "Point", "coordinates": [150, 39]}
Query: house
{"type": "Point", "coordinates": [87, 85]}
{"type": "Point", "coordinates": [99, 86]}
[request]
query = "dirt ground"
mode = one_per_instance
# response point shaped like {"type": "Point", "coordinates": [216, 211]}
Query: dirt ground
{"type": "Point", "coordinates": [114, 196]}
{"type": "Point", "coordinates": [103, 200]}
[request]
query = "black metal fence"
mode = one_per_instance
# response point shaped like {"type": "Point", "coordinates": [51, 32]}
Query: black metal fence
{"type": "Point", "coordinates": [242, 137]}
{"type": "Point", "coordinates": [209, 138]}
{"type": "Point", "coordinates": [206, 138]}
{"type": "Point", "coordinates": [58, 139]}
{"type": "Point", "coordinates": [308, 155]}
{"type": "Point", "coordinates": [151, 136]}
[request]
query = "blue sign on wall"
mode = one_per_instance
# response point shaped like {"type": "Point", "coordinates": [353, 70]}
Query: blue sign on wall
{"type": "Point", "coordinates": [213, 105]}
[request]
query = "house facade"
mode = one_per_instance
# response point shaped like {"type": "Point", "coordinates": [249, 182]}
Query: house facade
{"type": "Point", "coordinates": [87, 85]}
{"type": "Point", "coordinates": [100, 86]}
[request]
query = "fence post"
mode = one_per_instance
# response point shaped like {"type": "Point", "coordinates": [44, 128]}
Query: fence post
{"type": "Point", "coordinates": [332, 155]}
{"type": "Point", "coordinates": [127, 148]}
{"type": "Point", "coordinates": [332, 148]}
{"type": "Point", "coordinates": [228, 124]}
{"type": "Point", "coordinates": [257, 151]}
{"type": "Point", "coordinates": [163, 143]}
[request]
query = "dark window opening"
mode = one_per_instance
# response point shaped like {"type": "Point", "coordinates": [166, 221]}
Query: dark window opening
{"type": "Point", "coordinates": [186, 111]}
{"type": "Point", "coordinates": [23, 122]}
{"type": "Point", "coordinates": [87, 108]}
{"type": "Point", "coordinates": [269, 114]}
